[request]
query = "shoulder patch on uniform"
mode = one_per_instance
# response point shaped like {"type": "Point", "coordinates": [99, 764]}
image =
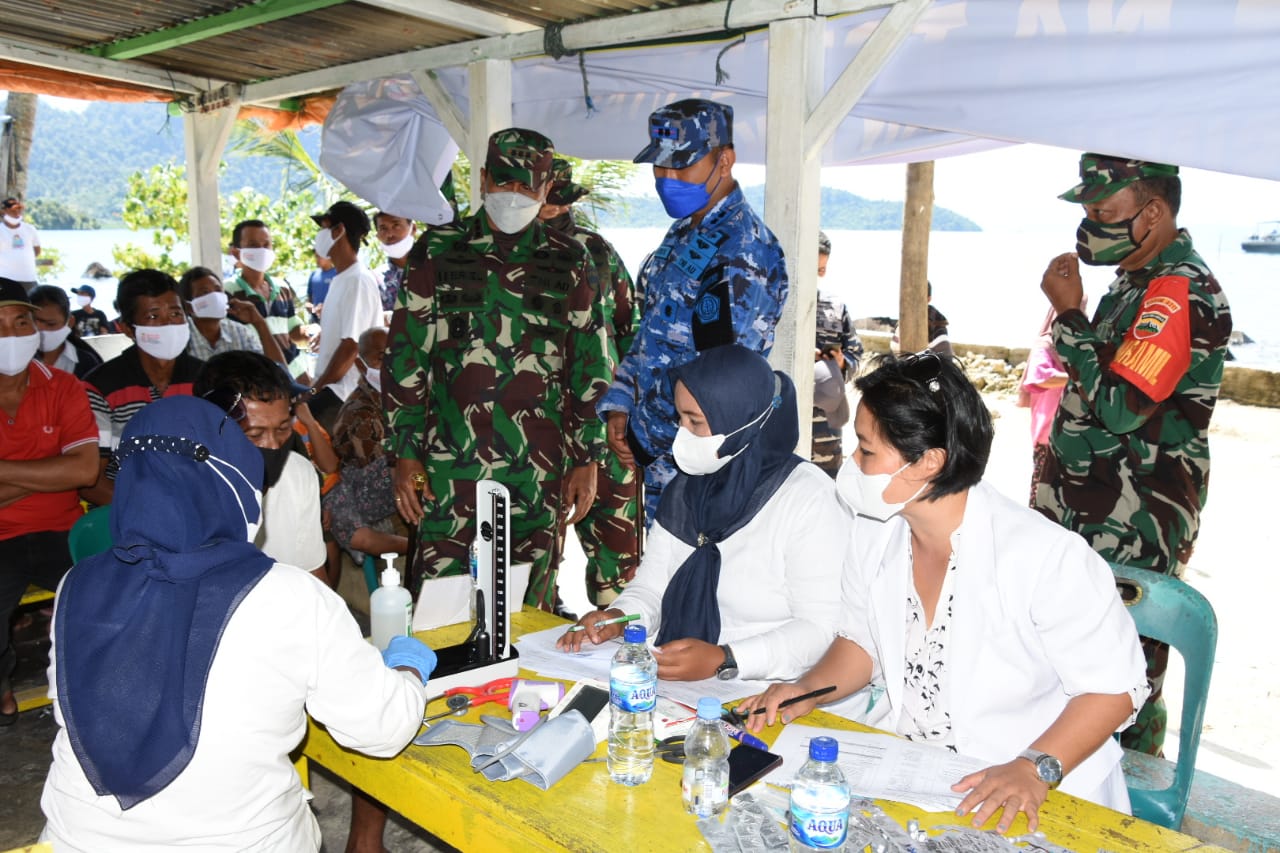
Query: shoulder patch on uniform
{"type": "Point", "coordinates": [1156, 351]}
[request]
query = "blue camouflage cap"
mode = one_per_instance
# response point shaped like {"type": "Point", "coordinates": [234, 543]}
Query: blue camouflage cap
{"type": "Point", "coordinates": [682, 133]}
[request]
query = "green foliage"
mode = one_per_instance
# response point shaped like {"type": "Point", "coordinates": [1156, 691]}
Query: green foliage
{"type": "Point", "coordinates": [49, 266]}
{"type": "Point", "coordinates": [157, 201]}
{"type": "Point", "coordinates": [51, 214]}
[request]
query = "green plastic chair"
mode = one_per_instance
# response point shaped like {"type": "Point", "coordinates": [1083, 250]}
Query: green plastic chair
{"type": "Point", "coordinates": [91, 534]}
{"type": "Point", "coordinates": [1166, 609]}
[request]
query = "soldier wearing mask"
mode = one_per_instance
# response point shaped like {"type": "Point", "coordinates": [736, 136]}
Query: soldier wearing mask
{"type": "Point", "coordinates": [609, 534]}
{"type": "Point", "coordinates": [1128, 466]}
{"type": "Point", "coordinates": [718, 264]}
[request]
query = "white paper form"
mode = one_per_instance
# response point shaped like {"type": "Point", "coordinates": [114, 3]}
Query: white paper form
{"type": "Point", "coordinates": [882, 766]}
{"type": "Point", "coordinates": [538, 652]}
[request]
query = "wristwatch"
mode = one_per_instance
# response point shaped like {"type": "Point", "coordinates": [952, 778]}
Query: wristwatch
{"type": "Point", "coordinates": [728, 669]}
{"type": "Point", "coordinates": [1048, 768]}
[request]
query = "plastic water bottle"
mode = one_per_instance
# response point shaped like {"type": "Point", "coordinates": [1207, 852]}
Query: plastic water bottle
{"type": "Point", "coordinates": [633, 693]}
{"type": "Point", "coordinates": [819, 800]}
{"type": "Point", "coordinates": [390, 607]}
{"type": "Point", "coordinates": [705, 786]}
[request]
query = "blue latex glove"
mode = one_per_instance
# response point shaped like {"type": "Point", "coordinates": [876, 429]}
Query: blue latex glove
{"type": "Point", "coordinates": [406, 651]}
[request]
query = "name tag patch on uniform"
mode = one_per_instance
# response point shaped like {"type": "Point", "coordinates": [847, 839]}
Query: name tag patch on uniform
{"type": "Point", "coordinates": [1156, 351]}
{"type": "Point", "coordinates": [695, 255]}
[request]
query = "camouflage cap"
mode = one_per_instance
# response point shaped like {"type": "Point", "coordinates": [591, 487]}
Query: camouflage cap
{"type": "Point", "coordinates": [563, 190]}
{"type": "Point", "coordinates": [517, 154]}
{"type": "Point", "coordinates": [1102, 176]}
{"type": "Point", "coordinates": [682, 133]}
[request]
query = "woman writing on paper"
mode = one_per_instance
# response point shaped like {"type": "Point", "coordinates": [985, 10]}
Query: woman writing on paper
{"type": "Point", "coordinates": [745, 554]}
{"type": "Point", "coordinates": [988, 628]}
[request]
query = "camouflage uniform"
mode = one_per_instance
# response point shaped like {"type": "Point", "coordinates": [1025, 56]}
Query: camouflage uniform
{"type": "Point", "coordinates": [608, 532]}
{"type": "Point", "coordinates": [729, 255]}
{"type": "Point", "coordinates": [1128, 466]}
{"type": "Point", "coordinates": [835, 331]}
{"type": "Point", "coordinates": [496, 356]}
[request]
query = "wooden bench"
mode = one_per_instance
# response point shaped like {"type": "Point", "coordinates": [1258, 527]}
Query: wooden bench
{"type": "Point", "coordinates": [1218, 811]}
{"type": "Point", "coordinates": [33, 697]}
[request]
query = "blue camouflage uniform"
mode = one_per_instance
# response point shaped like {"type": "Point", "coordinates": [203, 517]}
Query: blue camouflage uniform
{"type": "Point", "coordinates": [729, 256]}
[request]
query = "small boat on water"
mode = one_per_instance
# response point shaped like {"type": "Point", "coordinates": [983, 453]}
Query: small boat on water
{"type": "Point", "coordinates": [1265, 239]}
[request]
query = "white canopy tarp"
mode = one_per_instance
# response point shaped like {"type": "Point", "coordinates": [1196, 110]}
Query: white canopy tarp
{"type": "Point", "coordinates": [1191, 82]}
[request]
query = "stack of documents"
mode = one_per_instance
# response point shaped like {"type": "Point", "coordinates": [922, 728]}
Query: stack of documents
{"type": "Point", "coordinates": [881, 766]}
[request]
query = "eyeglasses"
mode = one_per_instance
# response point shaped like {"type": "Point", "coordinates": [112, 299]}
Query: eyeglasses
{"type": "Point", "coordinates": [231, 402]}
{"type": "Point", "coordinates": [923, 367]}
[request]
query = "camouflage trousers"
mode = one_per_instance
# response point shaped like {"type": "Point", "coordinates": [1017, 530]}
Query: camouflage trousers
{"type": "Point", "coordinates": [448, 528]}
{"type": "Point", "coordinates": [828, 449]}
{"type": "Point", "coordinates": [608, 533]}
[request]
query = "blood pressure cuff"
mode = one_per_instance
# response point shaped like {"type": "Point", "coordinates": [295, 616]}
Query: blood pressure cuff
{"type": "Point", "coordinates": [540, 756]}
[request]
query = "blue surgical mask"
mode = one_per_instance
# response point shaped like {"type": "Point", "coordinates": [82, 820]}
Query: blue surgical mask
{"type": "Point", "coordinates": [683, 198]}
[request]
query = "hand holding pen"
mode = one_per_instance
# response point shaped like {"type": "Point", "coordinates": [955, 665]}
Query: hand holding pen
{"type": "Point", "coordinates": [596, 628]}
{"type": "Point", "coordinates": [785, 701]}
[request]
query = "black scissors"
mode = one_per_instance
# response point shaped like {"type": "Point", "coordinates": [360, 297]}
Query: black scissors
{"type": "Point", "coordinates": [671, 749]}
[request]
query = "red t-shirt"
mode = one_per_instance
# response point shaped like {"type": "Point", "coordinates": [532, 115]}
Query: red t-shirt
{"type": "Point", "coordinates": [53, 418]}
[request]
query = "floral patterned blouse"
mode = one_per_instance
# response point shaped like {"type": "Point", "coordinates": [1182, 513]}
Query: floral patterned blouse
{"type": "Point", "coordinates": [926, 689]}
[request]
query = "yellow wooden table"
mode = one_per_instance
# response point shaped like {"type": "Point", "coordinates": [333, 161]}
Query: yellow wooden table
{"type": "Point", "coordinates": [435, 788]}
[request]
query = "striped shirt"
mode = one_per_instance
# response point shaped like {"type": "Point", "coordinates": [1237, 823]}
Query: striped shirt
{"type": "Point", "coordinates": [120, 387]}
{"type": "Point", "coordinates": [232, 335]}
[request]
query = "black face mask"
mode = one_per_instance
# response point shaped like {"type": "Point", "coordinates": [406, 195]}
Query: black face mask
{"type": "Point", "coordinates": [273, 460]}
{"type": "Point", "coordinates": [563, 222]}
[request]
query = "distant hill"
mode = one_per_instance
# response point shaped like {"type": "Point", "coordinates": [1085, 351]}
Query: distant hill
{"type": "Point", "coordinates": [841, 210]}
{"type": "Point", "coordinates": [83, 159]}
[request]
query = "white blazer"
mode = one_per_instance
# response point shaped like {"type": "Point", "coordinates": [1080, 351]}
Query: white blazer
{"type": "Point", "coordinates": [1037, 620]}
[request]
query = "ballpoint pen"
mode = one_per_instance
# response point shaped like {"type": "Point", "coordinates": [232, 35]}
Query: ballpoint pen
{"type": "Point", "coordinates": [821, 691]}
{"type": "Point", "coordinates": [630, 617]}
{"type": "Point", "coordinates": [742, 736]}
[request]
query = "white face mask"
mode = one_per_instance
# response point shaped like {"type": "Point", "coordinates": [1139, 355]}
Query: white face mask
{"type": "Point", "coordinates": [162, 342]}
{"type": "Point", "coordinates": [511, 213]}
{"type": "Point", "coordinates": [13, 220]}
{"type": "Point", "coordinates": [258, 259]}
{"type": "Point", "coordinates": [50, 341]}
{"type": "Point", "coordinates": [211, 306]}
{"type": "Point", "coordinates": [698, 455]}
{"type": "Point", "coordinates": [16, 353]}
{"type": "Point", "coordinates": [324, 242]}
{"type": "Point", "coordinates": [373, 376]}
{"type": "Point", "coordinates": [84, 301]}
{"type": "Point", "coordinates": [397, 250]}
{"type": "Point", "coordinates": [864, 493]}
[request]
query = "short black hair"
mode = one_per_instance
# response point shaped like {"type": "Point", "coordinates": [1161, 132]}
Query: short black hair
{"type": "Point", "coordinates": [145, 282]}
{"type": "Point", "coordinates": [1167, 187]}
{"type": "Point", "coordinates": [914, 418]}
{"type": "Point", "coordinates": [240, 226]}
{"type": "Point", "coordinates": [190, 277]}
{"type": "Point", "coordinates": [47, 294]}
{"type": "Point", "coordinates": [249, 374]}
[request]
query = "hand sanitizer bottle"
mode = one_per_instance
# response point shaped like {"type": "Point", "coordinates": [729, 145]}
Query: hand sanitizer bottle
{"type": "Point", "coordinates": [390, 607]}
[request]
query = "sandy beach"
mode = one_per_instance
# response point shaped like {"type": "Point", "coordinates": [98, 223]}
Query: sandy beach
{"type": "Point", "coordinates": [1239, 526]}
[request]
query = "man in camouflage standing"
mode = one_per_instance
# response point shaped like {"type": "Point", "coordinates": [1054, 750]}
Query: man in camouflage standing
{"type": "Point", "coordinates": [839, 346]}
{"type": "Point", "coordinates": [496, 357]}
{"type": "Point", "coordinates": [1128, 466]}
{"type": "Point", "coordinates": [718, 263]}
{"type": "Point", "coordinates": [609, 533]}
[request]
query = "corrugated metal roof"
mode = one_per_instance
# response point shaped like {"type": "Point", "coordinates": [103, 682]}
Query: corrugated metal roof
{"type": "Point", "coordinates": [348, 32]}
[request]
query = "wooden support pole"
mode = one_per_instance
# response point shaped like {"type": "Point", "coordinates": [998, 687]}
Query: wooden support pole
{"type": "Point", "coordinates": [913, 299]}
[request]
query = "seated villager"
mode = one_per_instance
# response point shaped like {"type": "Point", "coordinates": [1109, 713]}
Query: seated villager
{"type": "Point", "coordinates": [987, 628]}
{"type": "Point", "coordinates": [48, 450]}
{"type": "Point", "coordinates": [361, 507]}
{"type": "Point", "coordinates": [742, 562]}
{"type": "Point", "coordinates": [156, 366]}
{"type": "Point", "coordinates": [60, 345]}
{"type": "Point", "coordinates": [220, 323]}
{"type": "Point", "coordinates": [185, 661]}
{"type": "Point", "coordinates": [256, 393]}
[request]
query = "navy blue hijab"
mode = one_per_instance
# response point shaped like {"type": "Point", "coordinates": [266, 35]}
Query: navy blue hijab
{"type": "Point", "coordinates": [733, 386]}
{"type": "Point", "coordinates": [138, 626]}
